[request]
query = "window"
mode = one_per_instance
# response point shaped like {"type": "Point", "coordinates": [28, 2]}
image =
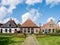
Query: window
{"type": "Point", "coordinates": [10, 30]}
{"type": "Point", "coordinates": [49, 30]}
{"type": "Point", "coordinates": [28, 30]}
{"type": "Point", "coordinates": [53, 30]}
{"type": "Point", "coordinates": [1, 31]}
{"type": "Point", "coordinates": [10, 24]}
{"type": "Point", "coordinates": [15, 29]}
{"type": "Point", "coordinates": [24, 29]}
{"type": "Point", "coordinates": [5, 30]}
{"type": "Point", "coordinates": [46, 31]}
{"type": "Point", "coordinates": [42, 30]}
{"type": "Point", "coordinates": [36, 30]}
{"type": "Point", "coordinates": [32, 29]}
{"type": "Point", "coordinates": [50, 25]}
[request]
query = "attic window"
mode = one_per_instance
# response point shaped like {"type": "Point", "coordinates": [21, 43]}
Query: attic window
{"type": "Point", "coordinates": [9, 24]}
{"type": "Point", "coordinates": [51, 25]}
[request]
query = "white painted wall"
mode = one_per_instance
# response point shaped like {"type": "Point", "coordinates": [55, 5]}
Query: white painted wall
{"type": "Point", "coordinates": [12, 30]}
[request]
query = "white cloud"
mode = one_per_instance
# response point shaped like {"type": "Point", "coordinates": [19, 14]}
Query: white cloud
{"type": "Point", "coordinates": [50, 19]}
{"type": "Point", "coordinates": [11, 3]}
{"type": "Point", "coordinates": [52, 2]}
{"type": "Point", "coordinates": [7, 19]}
{"type": "Point", "coordinates": [58, 24]}
{"type": "Point", "coordinates": [8, 11]}
{"type": "Point", "coordinates": [3, 12]}
{"type": "Point", "coordinates": [33, 14]}
{"type": "Point", "coordinates": [32, 2]}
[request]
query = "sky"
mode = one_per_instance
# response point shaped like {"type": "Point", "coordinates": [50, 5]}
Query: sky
{"type": "Point", "coordinates": [39, 11]}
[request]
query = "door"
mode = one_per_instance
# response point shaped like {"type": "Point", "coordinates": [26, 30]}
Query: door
{"type": "Point", "coordinates": [32, 30]}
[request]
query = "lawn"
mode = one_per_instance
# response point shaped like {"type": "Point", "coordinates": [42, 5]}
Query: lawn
{"type": "Point", "coordinates": [49, 40]}
{"type": "Point", "coordinates": [11, 40]}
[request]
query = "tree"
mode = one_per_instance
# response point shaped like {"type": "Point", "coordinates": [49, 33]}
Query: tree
{"type": "Point", "coordinates": [57, 31]}
{"type": "Point", "coordinates": [40, 32]}
{"type": "Point", "coordinates": [25, 34]}
{"type": "Point", "coordinates": [19, 25]}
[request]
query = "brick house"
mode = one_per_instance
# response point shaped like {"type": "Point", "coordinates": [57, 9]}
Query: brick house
{"type": "Point", "coordinates": [49, 27]}
{"type": "Point", "coordinates": [29, 27]}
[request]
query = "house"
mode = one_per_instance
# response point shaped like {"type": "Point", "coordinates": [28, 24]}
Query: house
{"type": "Point", "coordinates": [29, 27]}
{"type": "Point", "coordinates": [9, 27]}
{"type": "Point", "coordinates": [49, 27]}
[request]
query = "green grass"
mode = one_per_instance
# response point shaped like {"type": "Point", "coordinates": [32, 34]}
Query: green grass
{"type": "Point", "coordinates": [11, 40]}
{"type": "Point", "coordinates": [49, 40]}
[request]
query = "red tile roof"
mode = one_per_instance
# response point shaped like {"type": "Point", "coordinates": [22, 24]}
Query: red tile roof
{"type": "Point", "coordinates": [29, 23]}
{"type": "Point", "coordinates": [47, 25]}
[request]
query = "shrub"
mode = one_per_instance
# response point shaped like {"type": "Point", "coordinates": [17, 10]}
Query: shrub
{"type": "Point", "coordinates": [40, 32]}
{"type": "Point", "coordinates": [57, 31]}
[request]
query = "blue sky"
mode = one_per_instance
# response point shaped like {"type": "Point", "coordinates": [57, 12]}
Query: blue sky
{"type": "Point", "coordinates": [40, 11]}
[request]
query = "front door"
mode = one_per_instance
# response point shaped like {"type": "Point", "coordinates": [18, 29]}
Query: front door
{"type": "Point", "coordinates": [32, 30]}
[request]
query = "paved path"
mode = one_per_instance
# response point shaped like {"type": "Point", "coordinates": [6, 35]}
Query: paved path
{"type": "Point", "coordinates": [30, 40]}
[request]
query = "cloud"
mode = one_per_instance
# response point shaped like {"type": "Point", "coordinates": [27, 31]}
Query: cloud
{"type": "Point", "coordinates": [11, 4]}
{"type": "Point", "coordinates": [32, 2]}
{"type": "Point", "coordinates": [58, 24]}
{"type": "Point", "coordinates": [52, 2]}
{"type": "Point", "coordinates": [3, 12]}
{"type": "Point", "coordinates": [7, 19]}
{"type": "Point", "coordinates": [50, 19]}
{"type": "Point", "coordinates": [33, 14]}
